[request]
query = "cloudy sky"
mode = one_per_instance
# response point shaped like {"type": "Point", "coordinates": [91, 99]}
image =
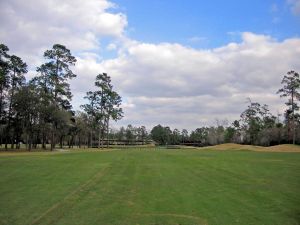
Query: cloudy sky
{"type": "Point", "coordinates": [177, 63]}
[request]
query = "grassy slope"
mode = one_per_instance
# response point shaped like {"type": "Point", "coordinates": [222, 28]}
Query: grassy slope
{"type": "Point", "coordinates": [150, 187]}
{"type": "Point", "coordinates": [275, 148]}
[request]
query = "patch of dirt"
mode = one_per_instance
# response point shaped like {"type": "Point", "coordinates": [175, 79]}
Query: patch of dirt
{"type": "Point", "coordinates": [55, 151]}
{"type": "Point", "coordinates": [21, 153]}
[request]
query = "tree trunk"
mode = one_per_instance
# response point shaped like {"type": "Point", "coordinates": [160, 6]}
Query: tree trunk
{"type": "Point", "coordinates": [71, 141]}
{"type": "Point", "coordinates": [10, 108]}
{"type": "Point", "coordinates": [52, 139]}
{"type": "Point", "coordinates": [30, 141]}
{"type": "Point", "coordinates": [107, 130]}
{"type": "Point", "coordinates": [12, 145]}
{"type": "Point", "coordinates": [6, 142]}
{"type": "Point", "coordinates": [91, 141]}
{"type": "Point", "coordinates": [18, 141]}
{"type": "Point", "coordinates": [61, 141]}
{"type": "Point", "coordinates": [102, 136]}
{"type": "Point", "coordinates": [43, 140]}
{"type": "Point", "coordinates": [27, 140]}
{"type": "Point", "coordinates": [79, 141]}
{"type": "Point", "coordinates": [293, 117]}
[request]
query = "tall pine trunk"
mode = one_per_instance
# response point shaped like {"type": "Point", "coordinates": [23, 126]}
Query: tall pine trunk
{"type": "Point", "coordinates": [293, 119]}
{"type": "Point", "coordinates": [99, 138]}
{"type": "Point", "coordinates": [107, 134]}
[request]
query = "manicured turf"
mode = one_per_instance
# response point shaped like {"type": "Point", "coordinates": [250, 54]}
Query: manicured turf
{"type": "Point", "coordinates": [150, 187]}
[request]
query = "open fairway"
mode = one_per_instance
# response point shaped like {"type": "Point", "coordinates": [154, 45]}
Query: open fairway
{"type": "Point", "coordinates": [139, 186]}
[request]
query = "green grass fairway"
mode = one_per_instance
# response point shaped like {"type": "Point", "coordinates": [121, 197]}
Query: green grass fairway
{"type": "Point", "coordinates": [150, 187]}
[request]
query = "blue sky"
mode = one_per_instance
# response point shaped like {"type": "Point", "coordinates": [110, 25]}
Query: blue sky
{"type": "Point", "coordinates": [207, 24]}
{"type": "Point", "coordinates": [183, 64]}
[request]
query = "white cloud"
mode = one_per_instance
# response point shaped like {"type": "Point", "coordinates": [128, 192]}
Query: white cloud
{"type": "Point", "coordinates": [111, 47]}
{"type": "Point", "coordinates": [29, 27]}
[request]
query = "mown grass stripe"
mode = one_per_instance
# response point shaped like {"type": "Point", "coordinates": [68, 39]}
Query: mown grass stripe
{"type": "Point", "coordinates": [56, 211]}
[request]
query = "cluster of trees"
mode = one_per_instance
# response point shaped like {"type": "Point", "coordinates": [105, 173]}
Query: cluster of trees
{"type": "Point", "coordinates": [256, 126]}
{"type": "Point", "coordinates": [103, 105]}
{"type": "Point", "coordinates": [165, 136]}
{"type": "Point", "coordinates": [40, 112]}
{"type": "Point", "coordinates": [131, 135]}
{"type": "Point", "coordinates": [199, 137]}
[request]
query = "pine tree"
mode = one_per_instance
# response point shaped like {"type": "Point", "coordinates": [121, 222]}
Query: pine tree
{"type": "Point", "coordinates": [291, 85]}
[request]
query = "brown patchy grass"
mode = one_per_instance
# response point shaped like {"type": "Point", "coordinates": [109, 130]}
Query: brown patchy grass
{"type": "Point", "coordinates": [285, 148]}
{"type": "Point", "coordinates": [276, 148]}
{"type": "Point", "coordinates": [20, 152]}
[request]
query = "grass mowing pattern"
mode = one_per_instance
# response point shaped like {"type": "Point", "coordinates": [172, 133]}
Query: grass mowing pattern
{"type": "Point", "coordinates": [150, 187]}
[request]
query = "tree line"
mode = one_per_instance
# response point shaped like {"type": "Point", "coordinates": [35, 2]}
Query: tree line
{"type": "Point", "coordinates": [256, 125]}
{"type": "Point", "coordinates": [39, 111]}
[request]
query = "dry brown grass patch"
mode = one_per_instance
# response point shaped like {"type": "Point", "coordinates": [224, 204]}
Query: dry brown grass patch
{"type": "Point", "coordinates": [276, 148]}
